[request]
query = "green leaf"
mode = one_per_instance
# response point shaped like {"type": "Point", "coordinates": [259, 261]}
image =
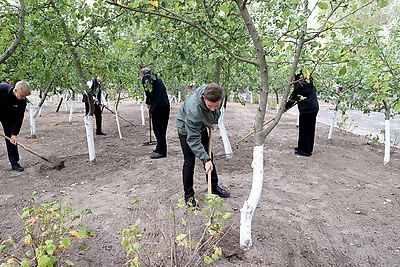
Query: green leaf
{"type": "Point", "coordinates": [397, 106]}
{"type": "Point", "coordinates": [383, 3]}
{"type": "Point", "coordinates": [2, 248]}
{"type": "Point", "coordinates": [70, 263]}
{"type": "Point", "coordinates": [323, 5]}
{"type": "Point", "coordinates": [342, 71]}
{"type": "Point", "coordinates": [66, 242]}
{"type": "Point", "coordinates": [225, 8]}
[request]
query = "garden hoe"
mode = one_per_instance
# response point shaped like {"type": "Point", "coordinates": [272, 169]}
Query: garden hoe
{"type": "Point", "coordinates": [149, 143]}
{"type": "Point", "coordinates": [53, 163]}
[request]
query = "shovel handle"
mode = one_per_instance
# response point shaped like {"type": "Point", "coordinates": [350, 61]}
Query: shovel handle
{"type": "Point", "coordinates": [209, 189]}
{"type": "Point", "coordinates": [24, 147]}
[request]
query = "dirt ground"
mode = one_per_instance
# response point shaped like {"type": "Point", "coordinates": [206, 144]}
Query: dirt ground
{"type": "Point", "coordinates": [339, 207]}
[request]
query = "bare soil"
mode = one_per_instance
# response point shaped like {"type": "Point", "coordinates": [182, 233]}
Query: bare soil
{"type": "Point", "coordinates": [339, 207]}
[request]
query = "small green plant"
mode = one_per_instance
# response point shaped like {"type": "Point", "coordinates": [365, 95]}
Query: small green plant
{"type": "Point", "coordinates": [345, 125]}
{"type": "Point", "coordinates": [375, 139]}
{"type": "Point", "coordinates": [49, 231]}
{"type": "Point", "coordinates": [188, 240]}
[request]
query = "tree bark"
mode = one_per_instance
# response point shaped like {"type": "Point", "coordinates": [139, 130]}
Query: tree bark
{"type": "Point", "coordinates": [19, 35]}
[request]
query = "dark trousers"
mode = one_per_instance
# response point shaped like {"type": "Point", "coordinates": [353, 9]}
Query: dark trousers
{"type": "Point", "coordinates": [97, 114]}
{"type": "Point", "coordinates": [189, 163]}
{"type": "Point", "coordinates": [12, 150]}
{"type": "Point", "coordinates": [159, 119]}
{"type": "Point", "coordinates": [307, 123]}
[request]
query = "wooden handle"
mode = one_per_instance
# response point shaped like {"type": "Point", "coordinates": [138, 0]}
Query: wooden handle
{"type": "Point", "coordinates": [24, 147]}
{"type": "Point", "coordinates": [252, 132]}
{"type": "Point", "coordinates": [209, 191]}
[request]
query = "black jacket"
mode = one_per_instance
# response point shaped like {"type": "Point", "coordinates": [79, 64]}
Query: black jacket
{"type": "Point", "coordinates": [307, 91]}
{"type": "Point", "coordinates": [156, 93]}
{"type": "Point", "coordinates": [95, 90]}
{"type": "Point", "coordinates": [11, 109]}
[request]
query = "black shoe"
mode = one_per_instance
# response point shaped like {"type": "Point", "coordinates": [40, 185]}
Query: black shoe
{"type": "Point", "coordinates": [220, 192]}
{"type": "Point", "coordinates": [157, 156]}
{"type": "Point", "coordinates": [17, 167]}
{"type": "Point", "coordinates": [297, 152]}
{"type": "Point", "coordinates": [296, 149]}
{"type": "Point", "coordinates": [191, 203]}
{"type": "Point", "coordinates": [155, 151]}
{"type": "Point", "coordinates": [100, 133]}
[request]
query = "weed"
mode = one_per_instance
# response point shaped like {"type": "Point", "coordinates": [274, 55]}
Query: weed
{"type": "Point", "coordinates": [187, 239]}
{"type": "Point", "coordinates": [49, 231]}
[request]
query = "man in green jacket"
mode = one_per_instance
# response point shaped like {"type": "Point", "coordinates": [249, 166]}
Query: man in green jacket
{"type": "Point", "coordinates": [198, 113]}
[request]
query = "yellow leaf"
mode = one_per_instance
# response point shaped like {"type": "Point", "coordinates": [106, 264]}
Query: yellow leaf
{"type": "Point", "coordinates": [154, 3]}
{"type": "Point", "coordinates": [307, 74]}
{"type": "Point", "coordinates": [76, 11]}
{"type": "Point", "coordinates": [376, 85]}
{"type": "Point", "coordinates": [139, 41]}
{"type": "Point", "coordinates": [329, 31]}
{"type": "Point", "coordinates": [347, 54]}
{"type": "Point", "coordinates": [388, 200]}
{"type": "Point", "coordinates": [278, 48]}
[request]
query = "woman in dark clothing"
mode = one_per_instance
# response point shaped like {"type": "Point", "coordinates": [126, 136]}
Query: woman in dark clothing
{"type": "Point", "coordinates": [305, 95]}
{"type": "Point", "coordinates": [158, 104]}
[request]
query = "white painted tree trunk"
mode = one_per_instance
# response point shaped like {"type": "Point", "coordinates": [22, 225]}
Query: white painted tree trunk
{"type": "Point", "coordinates": [387, 142]}
{"type": "Point", "coordinates": [71, 111]}
{"type": "Point", "coordinates": [332, 124]}
{"type": "Point", "coordinates": [32, 120]}
{"type": "Point", "coordinates": [277, 108]}
{"type": "Point", "coordinates": [179, 97]}
{"type": "Point", "coordinates": [249, 207]}
{"type": "Point", "coordinates": [117, 121]}
{"type": "Point", "coordinates": [142, 113]}
{"type": "Point", "coordinates": [251, 97]}
{"type": "Point", "coordinates": [88, 120]}
{"type": "Point", "coordinates": [64, 97]}
{"type": "Point", "coordinates": [224, 135]}
{"type": "Point", "coordinates": [40, 112]}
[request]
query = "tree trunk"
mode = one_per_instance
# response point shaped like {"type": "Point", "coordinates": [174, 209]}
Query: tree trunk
{"type": "Point", "coordinates": [20, 33]}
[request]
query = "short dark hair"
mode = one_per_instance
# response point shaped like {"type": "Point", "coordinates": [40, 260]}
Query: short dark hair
{"type": "Point", "coordinates": [213, 92]}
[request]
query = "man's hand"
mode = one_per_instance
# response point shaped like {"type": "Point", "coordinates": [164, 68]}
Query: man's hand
{"type": "Point", "coordinates": [208, 166]}
{"type": "Point", "coordinates": [13, 139]}
{"type": "Point", "coordinates": [213, 126]}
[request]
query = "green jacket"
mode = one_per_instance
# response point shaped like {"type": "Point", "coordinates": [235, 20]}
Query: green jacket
{"type": "Point", "coordinates": [193, 118]}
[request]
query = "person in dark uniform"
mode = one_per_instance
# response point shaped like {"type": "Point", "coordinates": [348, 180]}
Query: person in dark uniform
{"type": "Point", "coordinates": [305, 95]}
{"type": "Point", "coordinates": [198, 113]}
{"type": "Point", "coordinates": [12, 109]}
{"type": "Point", "coordinates": [98, 97]}
{"type": "Point", "coordinates": [158, 104]}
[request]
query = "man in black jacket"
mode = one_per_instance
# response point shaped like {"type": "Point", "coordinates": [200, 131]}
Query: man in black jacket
{"type": "Point", "coordinates": [97, 94]}
{"type": "Point", "coordinates": [158, 104]}
{"type": "Point", "coordinates": [305, 95]}
{"type": "Point", "coordinates": [12, 109]}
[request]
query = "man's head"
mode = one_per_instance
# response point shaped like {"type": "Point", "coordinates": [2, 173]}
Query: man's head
{"type": "Point", "coordinates": [100, 78]}
{"type": "Point", "coordinates": [143, 72]}
{"type": "Point", "coordinates": [212, 96]}
{"type": "Point", "coordinates": [22, 90]}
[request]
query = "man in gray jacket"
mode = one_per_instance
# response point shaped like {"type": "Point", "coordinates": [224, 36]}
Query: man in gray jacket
{"type": "Point", "coordinates": [198, 113]}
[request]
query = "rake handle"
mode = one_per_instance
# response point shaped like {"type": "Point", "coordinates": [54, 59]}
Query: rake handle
{"type": "Point", "coordinates": [117, 115]}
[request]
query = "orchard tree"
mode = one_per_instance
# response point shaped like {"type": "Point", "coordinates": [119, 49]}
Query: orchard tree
{"type": "Point", "coordinates": [257, 33]}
